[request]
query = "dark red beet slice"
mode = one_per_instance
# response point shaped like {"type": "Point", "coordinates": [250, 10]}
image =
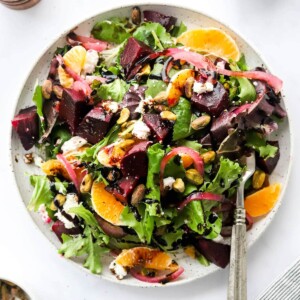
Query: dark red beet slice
{"type": "Point", "coordinates": [59, 228]}
{"type": "Point", "coordinates": [73, 108]}
{"type": "Point", "coordinates": [133, 51]}
{"type": "Point", "coordinates": [153, 16]}
{"type": "Point", "coordinates": [135, 161]}
{"type": "Point", "coordinates": [26, 124]}
{"type": "Point", "coordinates": [109, 229]}
{"type": "Point", "coordinates": [219, 254]}
{"type": "Point", "coordinates": [158, 126]}
{"type": "Point", "coordinates": [123, 188]}
{"type": "Point", "coordinates": [132, 99]}
{"type": "Point", "coordinates": [212, 102]}
{"type": "Point", "coordinates": [268, 165]}
{"type": "Point", "coordinates": [94, 126]}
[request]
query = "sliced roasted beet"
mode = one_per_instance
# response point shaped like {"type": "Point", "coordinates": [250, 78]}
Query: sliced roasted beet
{"type": "Point", "coordinates": [135, 161]}
{"type": "Point", "coordinates": [132, 99]}
{"type": "Point", "coordinates": [109, 229]}
{"type": "Point", "coordinates": [26, 124]}
{"type": "Point", "coordinates": [217, 253]}
{"type": "Point", "coordinates": [123, 188]}
{"type": "Point", "coordinates": [268, 165]}
{"type": "Point", "coordinates": [59, 228]}
{"type": "Point", "coordinates": [158, 126]}
{"type": "Point", "coordinates": [94, 125]}
{"type": "Point", "coordinates": [50, 113]}
{"type": "Point", "coordinates": [212, 102]}
{"type": "Point", "coordinates": [73, 108]}
{"type": "Point", "coordinates": [133, 51]}
{"type": "Point", "coordinates": [153, 16]}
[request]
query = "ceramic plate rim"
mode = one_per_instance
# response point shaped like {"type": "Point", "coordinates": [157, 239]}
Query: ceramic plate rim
{"type": "Point", "coordinates": [128, 5]}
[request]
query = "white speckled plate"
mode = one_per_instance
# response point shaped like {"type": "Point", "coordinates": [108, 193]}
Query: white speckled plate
{"type": "Point", "coordinates": [193, 19]}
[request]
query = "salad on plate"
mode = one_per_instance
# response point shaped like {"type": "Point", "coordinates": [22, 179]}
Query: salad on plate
{"type": "Point", "coordinates": [141, 130]}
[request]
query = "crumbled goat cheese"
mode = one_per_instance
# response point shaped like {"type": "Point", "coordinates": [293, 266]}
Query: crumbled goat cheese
{"type": "Point", "coordinates": [168, 183]}
{"type": "Point", "coordinates": [91, 61]}
{"type": "Point", "coordinates": [73, 144]}
{"type": "Point", "coordinates": [71, 201]}
{"type": "Point", "coordinates": [38, 160]}
{"type": "Point", "coordinates": [141, 130]}
{"type": "Point", "coordinates": [118, 270]}
{"type": "Point", "coordinates": [144, 102]}
{"type": "Point", "coordinates": [110, 106]}
{"type": "Point", "coordinates": [43, 212]}
{"type": "Point", "coordinates": [201, 88]}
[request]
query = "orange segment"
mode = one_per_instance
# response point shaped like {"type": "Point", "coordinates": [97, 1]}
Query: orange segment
{"type": "Point", "coordinates": [176, 87]}
{"type": "Point", "coordinates": [105, 204]}
{"type": "Point", "coordinates": [146, 257]}
{"type": "Point", "coordinates": [54, 167]}
{"type": "Point", "coordinates": [211, 40]}
{"type": "Point", "coordinates": [186, 160]}
{"type": "Point", "coordinates": [262, 201]}
{"type": "Point", "coordinates": [73, 59]}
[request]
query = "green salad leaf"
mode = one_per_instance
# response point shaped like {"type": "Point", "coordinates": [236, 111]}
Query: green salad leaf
{"type": "Point", "coordinates": [129, 219]}
{"type": "Point", "coordinates": [154, 35]}
{"type": "Point", "coordinates": [42, 193]}
{"type": "Point", "coordinates": [38, 100]}
{"type": "Point", "coordinates": [168, 240]}
{"type": "Point", "coordinates": [174, 168]}
{"type": "Point", "coordinates": [114, 30]}
{"type": "Point", "coordinates": [155, 154]}
{"type": "Point", "coordinates": [256, 141]}
{"type": "Point", "coordinates": [113, 91]}
{"type": "Point", "coordinates": [110, 56]}
{"type": "Point", "coordinates": [182, 124]}
{"type": "Point", "coordinates": [247, 92]}
{"type": "Point", "coordinates": [72, 246]}
{"type": "Point", "coordinates": [190, 144]}
{"type": "Point", "coordinates": [229, 172]}
{"type": "Point", "coordinates": [178, 30]}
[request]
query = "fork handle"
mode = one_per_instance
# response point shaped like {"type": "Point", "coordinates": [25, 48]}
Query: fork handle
{"type": "Point", "coordinates": [237, 287]}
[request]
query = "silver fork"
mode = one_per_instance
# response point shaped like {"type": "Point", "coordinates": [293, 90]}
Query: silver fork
{"type": "Point", "coordinates": [237, 287]}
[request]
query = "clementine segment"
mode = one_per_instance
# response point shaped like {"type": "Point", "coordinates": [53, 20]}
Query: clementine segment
{"type": "Point", "coordinates": [262, 201]}
{"type": "Point", "coordinates": [105, 204]}
{"type": "Point", "coordinates": [73, 59]}
{"type": "Point", "coordinates": [147, 258]}
{"type": "Point", "coordinates": [176, 87]}
{"type": "Point", "coordinates": [211, 40]}
{"type": "Point", "coordinates": [186, 160]}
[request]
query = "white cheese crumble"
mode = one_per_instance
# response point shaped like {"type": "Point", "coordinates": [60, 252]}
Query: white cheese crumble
{"type": "Point", "coordinates": [71, 201]}
{"type": "Point", "coordinates": [168, 183]}
{"type": "Point", "coordinates": [118, 270]}
{"type": "Point", "coordinates": [73, 144]}
{"type": "Point", "coordinates": [110, 106]}
{"type": "Point", "coordinates": [141, 130]}
{"type": "Point", "coordinates": [38, 161]}
{"type": "Point", "coordinates": [201, 88]}
{"type": "Point", "coordinates": [91, 60]}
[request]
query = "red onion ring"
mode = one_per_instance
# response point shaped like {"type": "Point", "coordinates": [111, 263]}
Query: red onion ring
{"type": "Point", "coordinates": [201, 61]}
{"type": "Point", "coordinates": [69, 169]}
{"type": "Point", "coordinates": [158, 279]}
{"type": "Point", "coordinates": [199, 196]}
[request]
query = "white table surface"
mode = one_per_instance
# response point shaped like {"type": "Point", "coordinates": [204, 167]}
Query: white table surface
{"type": "Point", "coordinates": [26, 255]}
